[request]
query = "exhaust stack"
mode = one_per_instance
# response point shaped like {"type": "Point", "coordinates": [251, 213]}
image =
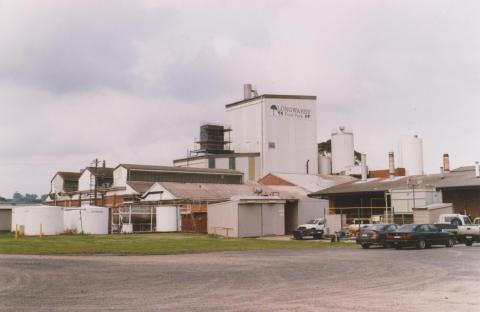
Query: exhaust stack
{"type": "Point", "coordinates": [364, 167]}
{"type": "Point", "coordinates": [391, 164]}
{"type": "Point", "coordinates": [446, 162]}
{"type": "Point", "coordinates": [477, 169]}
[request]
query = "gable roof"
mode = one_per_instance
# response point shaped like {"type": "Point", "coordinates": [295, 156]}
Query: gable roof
{"type": "Point", "coordinates": [68, 175]}
{"type": "Point", "coordinates": [309, 182]}
{"type": "Point", "coordinates": [224, 192]}
{"type": "Point", "coordinates": [106, 172]}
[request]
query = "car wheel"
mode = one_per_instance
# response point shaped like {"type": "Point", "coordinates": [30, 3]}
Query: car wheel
{"type": "Point", "coordinates": [450, 243]}
{"type": "Point", "coordinates": [365, 246]}
{"type": "Point", "coordinates": [421, 244]}
{"type": "Point", "coordinates": [468, 243]}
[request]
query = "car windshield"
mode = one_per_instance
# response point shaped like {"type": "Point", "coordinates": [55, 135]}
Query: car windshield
{"type": "Point", "coordinates": [407, 228]}
{"type": "Point", "coordinates": [313, 221]}
{"type": "Point", "coordinates": [377, 227]}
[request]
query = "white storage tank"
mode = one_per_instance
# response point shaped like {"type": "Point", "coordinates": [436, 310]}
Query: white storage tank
{"type": "Point", "coordinates": [410, 154]}
{"type": "Point", "coordinates": [168, 219]}
{"type": "Point", "coordinates": [343, 156]}
{"type": "Point", "coordinates": [324, 164]}
{"type": "Point", "coordinates": [31, 218]}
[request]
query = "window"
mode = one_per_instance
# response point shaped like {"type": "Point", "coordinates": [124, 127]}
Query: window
{"type": "Point", "coordinates": [211, 163]}
{"type": "Point", "coordinates": [231, 163]}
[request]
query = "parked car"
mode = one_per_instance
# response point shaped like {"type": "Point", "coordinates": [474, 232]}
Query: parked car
{"type": "Point", "coordinates": [314, 228]}
{"type": "Point", "coordinates": [375, 235]}
{"type": "Point", "coordinates": [420, 236]}
{"type": "Point", "coordinates": [358, 224]}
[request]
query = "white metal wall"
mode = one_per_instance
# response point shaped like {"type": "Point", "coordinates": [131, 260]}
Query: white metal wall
{"type": "Point", "coordinates": [223, 216]}
{"type": "Point", "coordinates": [57, 184]}
{"type": "Point", "coordinates": [246, 123]}
{"type": "Point", "coordinates": [289, 136]}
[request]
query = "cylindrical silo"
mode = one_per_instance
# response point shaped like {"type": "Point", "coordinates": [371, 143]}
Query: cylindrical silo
{"type": "Point", "coordinates": [342, 150]}
{"type": "Point", "coordinates": [324, 164]}
{"type": "Point", "coordinates": [410, 155]}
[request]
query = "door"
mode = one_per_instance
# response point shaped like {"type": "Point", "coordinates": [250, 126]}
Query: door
{"type": "Point", "coordinates": [249, 220]}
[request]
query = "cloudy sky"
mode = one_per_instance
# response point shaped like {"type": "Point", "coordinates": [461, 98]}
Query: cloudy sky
{"type": "Point", "coordinates": [131, 81]}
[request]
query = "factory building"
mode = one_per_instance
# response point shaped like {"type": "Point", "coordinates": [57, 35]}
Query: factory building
{"type": "Point", "coordinates": [266, 133]}
{"type": "Point", "coordinates": [395, 198]}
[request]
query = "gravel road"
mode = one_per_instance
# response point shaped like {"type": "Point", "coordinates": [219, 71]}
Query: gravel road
{"type": "Point", "coordinates": [343, 279]}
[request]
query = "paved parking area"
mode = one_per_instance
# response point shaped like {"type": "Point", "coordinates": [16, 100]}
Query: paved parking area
{"type": "Point", "coordinates": [344, 279]}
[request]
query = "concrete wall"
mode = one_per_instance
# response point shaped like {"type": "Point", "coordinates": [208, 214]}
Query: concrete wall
{"type": "Point", "coordinates": [5, 219]}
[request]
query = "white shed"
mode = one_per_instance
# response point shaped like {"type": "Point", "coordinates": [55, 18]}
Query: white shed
{"type": "Point", "coordinates": [248, 216]}
{"type": "Point", "coordinates": [430, 213]}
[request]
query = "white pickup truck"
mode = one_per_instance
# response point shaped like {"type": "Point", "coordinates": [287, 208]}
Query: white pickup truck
{"type": "Point", "coordinates": [466, 231]}
{"type": "Point", "coordinates": [314, 228]}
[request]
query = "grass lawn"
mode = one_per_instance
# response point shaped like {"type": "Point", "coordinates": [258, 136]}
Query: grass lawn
{"type": "Point", "coordinates": [151, 244]}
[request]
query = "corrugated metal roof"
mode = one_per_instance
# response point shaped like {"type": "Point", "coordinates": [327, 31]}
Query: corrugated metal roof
{"type": "Point", "coordinates": [106, 172]}
{"type": "Point", "coordinates": [139, 186]}
{"type": "Point", "coordinates": [68, 175]}
{"type": "Point", "coordinates": [179, 169]}
{"type": "Point", "coordinates": [460, 178]}
{"type": "Point", "coordinates": [223, 192]}
{"type": "Point", "coordinates": [314, 182]}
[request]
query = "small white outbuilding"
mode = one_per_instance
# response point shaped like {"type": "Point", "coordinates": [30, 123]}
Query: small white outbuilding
{"type": "Point", "coordinates": [248, 216]}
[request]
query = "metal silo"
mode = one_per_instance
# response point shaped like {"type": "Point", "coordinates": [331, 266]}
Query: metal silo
{"type": "Point", "coordinates": [342, 150]}
{"type": "Point", "coordinates": [324, 164]}
{"type": "Point", "coordinates": [410, 155]}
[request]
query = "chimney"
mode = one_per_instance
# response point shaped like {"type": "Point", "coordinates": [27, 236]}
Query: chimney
{"type": "Point", "coordinates": [446, 163]}
{"type": "Point", "coordinates": [364, 167]}
{"type": "Point", "coordinates": [391, 164]}
{"type": "Point", "coordinates": [477, 169]}
{"type": "Point", "coordinates": [247, 91]}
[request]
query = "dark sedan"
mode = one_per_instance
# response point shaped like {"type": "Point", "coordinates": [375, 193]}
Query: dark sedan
{"type": "Point", "coordinates": [420, 236]}
{"type": "Point", "coordinates": [375, 235]}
